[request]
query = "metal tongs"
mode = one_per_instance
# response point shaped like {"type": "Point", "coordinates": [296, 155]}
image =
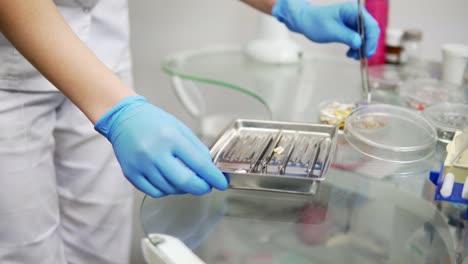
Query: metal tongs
{"type": "Point", "coordinates": [362, 54]}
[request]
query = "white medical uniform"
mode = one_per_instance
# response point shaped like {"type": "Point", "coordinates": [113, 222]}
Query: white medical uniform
{"type": "Point", "coordinates": [63, 197]}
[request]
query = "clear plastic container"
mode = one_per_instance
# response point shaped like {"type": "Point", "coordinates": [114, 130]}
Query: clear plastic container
{"type": "Point", "coordinates": [422, 93]}
{"type": "Point", "coordinates": [447, 118]}
{"type": "Point", "coordinates": [390, 133]}
{"type": "Point", "coordinates": [335, 112]}
{"type": "Point", "coordinates": [390, 77]}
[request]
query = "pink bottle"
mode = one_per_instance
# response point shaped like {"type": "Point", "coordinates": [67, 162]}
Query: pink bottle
{"type": "Point", "coordinates": [379, 10]}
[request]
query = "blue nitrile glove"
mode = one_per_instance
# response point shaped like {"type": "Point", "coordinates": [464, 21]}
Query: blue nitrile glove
{"type": "Point", "coordinates": [328, 23]}
{"type": "Point", "coordinates": [152, 147]}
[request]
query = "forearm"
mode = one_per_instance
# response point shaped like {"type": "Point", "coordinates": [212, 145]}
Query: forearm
{"type": "Point", "coordinates": [264, 6]}
{"type": "Point", "coordinates": [39, 32]}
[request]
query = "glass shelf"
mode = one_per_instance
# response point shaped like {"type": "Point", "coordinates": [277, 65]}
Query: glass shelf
{"type": "Point", "coordinates": [289, 92]}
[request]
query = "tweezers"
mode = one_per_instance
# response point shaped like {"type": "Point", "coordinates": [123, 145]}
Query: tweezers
{"type": "Point", "coordinates": [362, 54]}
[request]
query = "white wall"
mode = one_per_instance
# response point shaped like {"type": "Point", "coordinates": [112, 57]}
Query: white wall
{"type": "Point", "coordinates": [441, 21]}
{"type": "Point", "coordinates": [163, 27]}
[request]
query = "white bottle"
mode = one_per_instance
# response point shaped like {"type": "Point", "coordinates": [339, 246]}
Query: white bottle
{"type": "Point", "coordinates": [272, 43]}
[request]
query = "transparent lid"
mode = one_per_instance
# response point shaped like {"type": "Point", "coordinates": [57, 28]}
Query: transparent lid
{"type": "Point", "coordinates": [390, 133]}
{"type": "Point", "coordinates": [448, 116]}
{"type": "Point", "coordinates": [422, 93]}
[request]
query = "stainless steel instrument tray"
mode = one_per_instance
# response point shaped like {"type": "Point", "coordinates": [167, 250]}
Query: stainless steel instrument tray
{"type": "Point", "coordinates": [275, 156]}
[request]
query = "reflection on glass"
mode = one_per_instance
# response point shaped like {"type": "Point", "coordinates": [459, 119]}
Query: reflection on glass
{"type": "Point", "coordinates": [376, 224]}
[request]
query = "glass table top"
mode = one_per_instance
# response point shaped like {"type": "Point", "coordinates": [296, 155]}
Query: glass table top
{"type": "Point", "coordinates": [366, 211]}
{"type": "Point", "coordinates": [351, 219]}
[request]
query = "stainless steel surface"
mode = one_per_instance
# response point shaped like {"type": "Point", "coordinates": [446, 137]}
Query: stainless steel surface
{"type": "Point", "coordinates": [362, 54]}
{"type": "Point", "coordinates": [327, 154]}
{"type": "Point", "coordinates": [314, 157]}
{"type": "Point", "coordinates": [285, 160]}
{"type": "Point", "coordinates": [260, 153]}
{"type": "Point", "coordinates": [270, 152]}
{"type": "Point", "coordinates": [259, 139]}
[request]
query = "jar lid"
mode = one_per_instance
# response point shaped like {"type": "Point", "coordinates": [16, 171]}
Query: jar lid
{"type": "Point", "coordinates": [413, 34]}
{"type": "Point", "coordinates": [390, 133]}
{"type": "Point", "coordinates": [393, 37]}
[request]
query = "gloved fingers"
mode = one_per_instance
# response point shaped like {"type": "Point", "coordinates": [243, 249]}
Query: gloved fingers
{"type": "Point", "coordinates": [182, 177]}
{"type": "Point", "coordinates": [346, 35]}
{"type": "Point", "coordinates": [158, 181]}
{"type": "Point", "coordinates": [142, 184]}
{"type": "Point", "coordinates": [188, 133]}
{"type": "Point", "coordinates": [201, 165]}
{"type": "Point", "coordinates": [353, 54]}
{"type": "Point", "coordinates": [350, 15]}
{"type": "Point", "coordinates": [372, 33]}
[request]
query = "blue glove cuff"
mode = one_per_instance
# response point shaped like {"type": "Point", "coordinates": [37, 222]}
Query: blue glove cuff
{"type": "Point", "coordinates": [106, 123]}
{"type": "Point", "coordinates": [285, 11]}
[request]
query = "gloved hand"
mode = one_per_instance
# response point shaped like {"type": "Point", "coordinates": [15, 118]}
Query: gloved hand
{"type": "Point", "coordinates": [329, 23]}
{"type": "Point", "coordinates": [158, 154]}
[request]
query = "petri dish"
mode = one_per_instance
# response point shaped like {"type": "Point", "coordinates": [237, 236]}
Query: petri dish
{"type": "Point", "coordinates": [447, 118]}
{"type": "Point", "coordinates": [422, 93]}
{"type": "Point", "coordinates": [390, 133]}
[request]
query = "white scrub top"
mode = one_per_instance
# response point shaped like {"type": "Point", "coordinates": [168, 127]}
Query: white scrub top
{"type": "Point", "coordinates": [101, 24]}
